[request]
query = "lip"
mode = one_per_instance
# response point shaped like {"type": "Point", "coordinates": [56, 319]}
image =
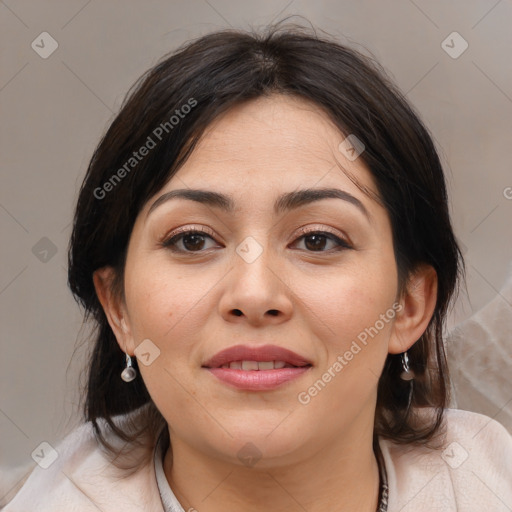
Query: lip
{"type": "Point", "coordinates": [257, 380]}
{"type": "Point", "coordinates": [260, 353]}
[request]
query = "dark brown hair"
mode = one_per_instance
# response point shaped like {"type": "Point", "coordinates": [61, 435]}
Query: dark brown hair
{"type": "Point", "coordinates": [212, 74]}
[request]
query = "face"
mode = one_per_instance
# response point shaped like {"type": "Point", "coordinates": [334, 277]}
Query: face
{"type": "Point", "coordinates": [317, 277]}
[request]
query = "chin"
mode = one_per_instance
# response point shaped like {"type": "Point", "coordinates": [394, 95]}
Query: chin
{"type": "Point", "coordinates": [260, 444]}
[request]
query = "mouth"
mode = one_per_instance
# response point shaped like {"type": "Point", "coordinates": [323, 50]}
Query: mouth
{"type": "Point", "coordinates": [259, 365]}
{"type": "Point", "coordinates": [257, 368]}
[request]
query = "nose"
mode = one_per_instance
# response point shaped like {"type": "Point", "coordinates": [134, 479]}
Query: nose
{"type": "Point", "coordinates": [256, 292]}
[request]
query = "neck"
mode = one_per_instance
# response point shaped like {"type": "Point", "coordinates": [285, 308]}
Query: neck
{"type": "Point", "coordinates": [343, 475]}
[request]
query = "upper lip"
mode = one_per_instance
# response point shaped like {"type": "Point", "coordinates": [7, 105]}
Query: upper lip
{"type": "Point", "coordinates": [260, 353]}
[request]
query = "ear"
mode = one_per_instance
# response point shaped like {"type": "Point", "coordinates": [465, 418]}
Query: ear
{"type": "Point", "coordinates": [418, 304]}
{"type": "Point", "coordinates": [114, 308]}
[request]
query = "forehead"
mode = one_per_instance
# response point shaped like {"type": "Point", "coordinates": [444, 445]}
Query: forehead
{"type": "Point", "coordinates": [274, 143]}
{"type": "Point", "coordinates": [275, 123]}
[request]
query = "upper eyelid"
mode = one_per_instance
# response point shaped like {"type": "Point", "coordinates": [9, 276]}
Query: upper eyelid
{"type": "Point", "coordinates": [186, 229]}
{"type": "Point", "coordinates": [302, 232]}
{"type": "Point", "coordinates": [333, 231]}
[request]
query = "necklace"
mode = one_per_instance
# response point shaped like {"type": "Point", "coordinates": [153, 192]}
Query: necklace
{"type": "Point", "coordinates": [384, 489]}
{"type": "Point", "coordinates": [383, 479]}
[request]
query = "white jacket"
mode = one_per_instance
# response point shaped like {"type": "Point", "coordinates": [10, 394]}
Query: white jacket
{"type": "Point", "coordinates": [471, 472]}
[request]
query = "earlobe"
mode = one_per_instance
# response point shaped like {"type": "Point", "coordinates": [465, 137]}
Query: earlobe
{"type": "Point", "coordinates": [112, 306]}
{"type": "Point", "coordinates": [418, 305]}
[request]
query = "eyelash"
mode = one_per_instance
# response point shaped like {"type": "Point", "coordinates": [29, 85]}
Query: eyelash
{"type": "Point", "coordinates": [171, 241]}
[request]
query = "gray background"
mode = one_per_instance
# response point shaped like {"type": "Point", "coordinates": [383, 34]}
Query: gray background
{"type": "Point", "coordinates": [54, 111]}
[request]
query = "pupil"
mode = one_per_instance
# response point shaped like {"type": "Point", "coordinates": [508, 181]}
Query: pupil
{"type": "Point", "coordinates": [197, 241]}
{"type": "Point", "coordinates": [317, 241]}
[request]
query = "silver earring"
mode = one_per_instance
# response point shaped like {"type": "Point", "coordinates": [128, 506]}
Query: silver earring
{"type": "Point", "coordinates": [129, 373]}
{"type": "Point", "coordinates": [407, 373]}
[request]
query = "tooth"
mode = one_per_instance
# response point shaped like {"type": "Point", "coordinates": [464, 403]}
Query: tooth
{"type": "Point", "coordinates": [279, 364]}
{"type": "Point", "coordinates": [265, 365]}
{"type": "Point", "coordinates": [249, 365]}
{"type": "Point", "coordinates": [236, 365]}
{"type": "Point", "coordinates": [225, 366]}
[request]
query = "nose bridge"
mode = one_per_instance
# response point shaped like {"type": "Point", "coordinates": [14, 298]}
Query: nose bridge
{"type": "Point", "coordinates": [255, 288]}
{"type": "Point", "coordinates": [252, 261]}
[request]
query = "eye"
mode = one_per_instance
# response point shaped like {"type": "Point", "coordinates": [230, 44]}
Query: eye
{"type": "Point", "coordinates": [190, 240]}
{"type": "Point", "coordinates": [195, 241]}
{"type": "Point", "coordinates": [316, 241]}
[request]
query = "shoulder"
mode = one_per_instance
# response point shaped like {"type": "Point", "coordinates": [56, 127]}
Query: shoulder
{"type": "Point", "coordinates": [469, 469]}
{"type": "Point", "coordinates": [48, 475]}
{"type": "Point", "coordinates": [77, 475]}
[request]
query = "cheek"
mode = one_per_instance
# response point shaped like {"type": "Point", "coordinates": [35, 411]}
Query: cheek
{"type": "Point", "coordinates": [354, 318]}
{"type": "Point", "coordinates": [155, 310]}
{"type": "Point", "coordinates": [171, 307]}
{"type": "Point", "coordinates": [348, 301]}
{"type": "Point", "coordinates": [359, 315]}
{"type": "Point", "coordinates": [166, 308]}
{"type": "Point", "coordinates": [160, 299]}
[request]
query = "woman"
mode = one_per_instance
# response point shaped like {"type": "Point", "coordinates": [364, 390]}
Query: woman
{"type": "Point", "coordinates": [263, 242]}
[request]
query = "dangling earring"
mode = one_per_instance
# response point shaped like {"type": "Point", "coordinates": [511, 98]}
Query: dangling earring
{"type": "Point", "coordinates": [407, 373]}
{"type": "Point", "coordinates": [129, 373]}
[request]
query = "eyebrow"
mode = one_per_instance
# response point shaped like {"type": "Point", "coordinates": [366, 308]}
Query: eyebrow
{"type": "Point", "coordinates": [285, 202]}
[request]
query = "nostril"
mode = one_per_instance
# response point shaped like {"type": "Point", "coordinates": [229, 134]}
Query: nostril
{"type": "Point", "coordinates": [273, 312]}
{"type": "Point", "coordinates": [237, 312]}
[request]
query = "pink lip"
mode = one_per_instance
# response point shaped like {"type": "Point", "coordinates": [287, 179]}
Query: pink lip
{"type": "Point", "coordinates": [257, 380]}
{"type": "Point", "coordinates": [262, 353]}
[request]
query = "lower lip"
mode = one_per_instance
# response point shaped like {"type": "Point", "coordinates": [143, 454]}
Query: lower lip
{"type": "Point", "coordinates": [257, 380]}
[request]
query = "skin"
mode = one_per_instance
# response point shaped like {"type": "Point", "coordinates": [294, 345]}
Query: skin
{"type": "Point", "coordinates": [312, 299]}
